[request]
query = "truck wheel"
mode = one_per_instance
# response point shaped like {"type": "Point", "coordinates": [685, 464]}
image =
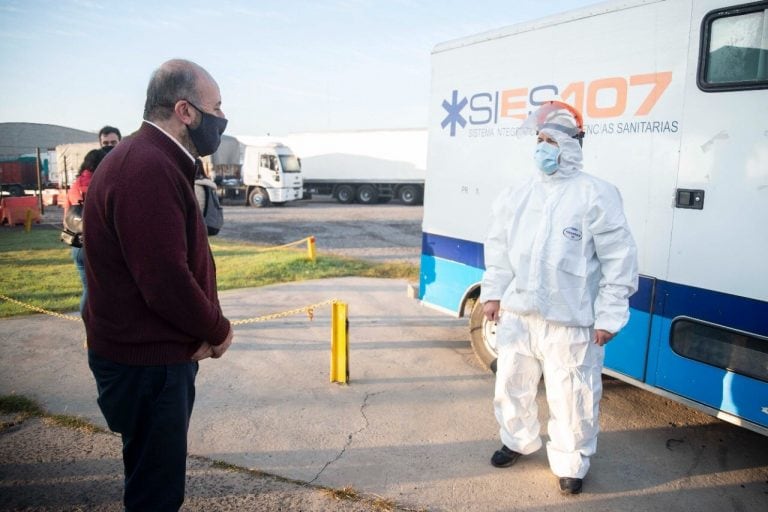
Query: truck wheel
{"type": "Point", "coordinates": [367, 194]}
{"type": "Point", "coordinates": [482, 334]}
{"type": "Point", "coordinates": [258, 198]}
{"type": "Point", "coordinates": [16, 190]}
{"type": "Point", "coordinates": [345, 194]}
{"type": "Point", "coordinates": [409, 194]}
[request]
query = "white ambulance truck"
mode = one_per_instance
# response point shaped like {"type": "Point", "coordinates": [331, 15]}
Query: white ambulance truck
{"type": "Point", "coordinates": [673, 95]}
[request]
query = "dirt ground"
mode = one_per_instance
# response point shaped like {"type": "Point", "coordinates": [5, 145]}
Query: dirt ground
{"type": "Point", "coordinates": [46, 467]}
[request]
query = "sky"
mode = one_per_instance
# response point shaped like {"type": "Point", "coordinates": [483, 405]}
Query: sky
{"type": "Point", "coordinates": [283, 66]}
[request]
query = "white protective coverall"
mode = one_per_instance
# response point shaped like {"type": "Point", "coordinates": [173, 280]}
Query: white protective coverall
{"type": "Point", "coordinates": [561, 259]}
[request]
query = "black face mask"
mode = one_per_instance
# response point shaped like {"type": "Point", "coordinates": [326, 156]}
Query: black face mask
{"type": "Point", "coordinates": [207, 136]}
{"type": "Point", "coordinates": [107, 148]}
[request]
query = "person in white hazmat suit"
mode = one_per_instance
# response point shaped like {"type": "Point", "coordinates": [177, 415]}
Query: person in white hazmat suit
{"type": "Point", "coordinates": [561, 265]}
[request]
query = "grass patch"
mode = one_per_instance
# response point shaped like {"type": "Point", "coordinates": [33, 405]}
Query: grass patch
{"type": "Point", "coordinates": [38, 269]}
{"type": "Point", "coordinates": [347, 493]}
{"type": "Point", "coordinates": [15, 404]}
{"type": "Point", "coordinates": [62, 420]}
{"type": "Point", "coordinates": [27, 408]}
{"type": "Point", "coordinates": [226, 466]}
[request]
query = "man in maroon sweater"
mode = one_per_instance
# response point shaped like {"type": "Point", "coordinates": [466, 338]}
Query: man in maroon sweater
{"type": "Point", "coordinates": [153, 311]}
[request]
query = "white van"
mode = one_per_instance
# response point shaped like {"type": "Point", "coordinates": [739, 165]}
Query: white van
{"type": "Point", "coordinates": [673, 95]}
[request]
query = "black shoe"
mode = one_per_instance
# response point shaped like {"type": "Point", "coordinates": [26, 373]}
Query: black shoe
{"type": "Point", "coordinates": [504, 457]}
{"type": "Point", "coordinates": [570, 485]}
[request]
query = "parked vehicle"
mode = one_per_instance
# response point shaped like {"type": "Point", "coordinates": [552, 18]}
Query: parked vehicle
{"type": "Point", "coordinates": [267, 173]}
{"type": "Point", "coordinates": [364, 166]}
{"type": "Point", "coordinates": [674, 100]}
{"type": "Point", "coordinates": [20, 174]}
{"type": "Point", "coordinates": [69, 157]}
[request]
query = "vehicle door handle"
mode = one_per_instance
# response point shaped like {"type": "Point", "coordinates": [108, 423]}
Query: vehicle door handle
{"type": "Point", "coordinates": [689, 198]}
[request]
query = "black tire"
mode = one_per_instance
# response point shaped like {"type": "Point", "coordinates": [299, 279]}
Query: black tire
{"type": "Point", "coordinates": [367, 194]}
{"type": "Point", "coordinates": [16, 190]}
{"type": "Point", "coordinates": [258, 198]}
{"type": "Point", "coordinates": [482, 334]}
{"type": "Point", "coordinates": [409, 194]}
{"type": "Point", "coordinates": [345, 194]}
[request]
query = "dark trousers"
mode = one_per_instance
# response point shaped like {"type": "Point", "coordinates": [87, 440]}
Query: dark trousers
{"type": "Point", "coordinates": [150, 407]}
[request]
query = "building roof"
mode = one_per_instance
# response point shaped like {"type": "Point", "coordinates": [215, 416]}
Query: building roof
{"type": "Point", "coordinates": [24, 138]}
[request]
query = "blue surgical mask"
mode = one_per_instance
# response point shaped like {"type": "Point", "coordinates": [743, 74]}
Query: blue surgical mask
{"type": "Point", "coordinates": [546, 157]}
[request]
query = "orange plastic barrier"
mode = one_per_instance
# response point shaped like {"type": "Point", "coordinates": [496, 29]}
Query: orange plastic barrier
{"type": "Point", "coordinates": [14, 209]}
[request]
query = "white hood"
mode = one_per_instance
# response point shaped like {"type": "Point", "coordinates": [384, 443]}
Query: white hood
{"type": "Point", "coordinates": [571, 157]}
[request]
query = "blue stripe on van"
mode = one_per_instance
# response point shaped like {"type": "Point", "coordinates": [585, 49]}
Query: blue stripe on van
{"type": "Point", "coordinates": [453, 249]}
{"type": "Point", "coordinates": [736, 312]}
{"type": "Point", "coordinates": [672, 299]}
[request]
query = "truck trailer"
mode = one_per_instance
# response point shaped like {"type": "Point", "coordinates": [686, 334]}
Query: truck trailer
{"type": "Point", "coordinates": [673, 96]}
{"type": "Point", "coordinates": [364, 166]}
{"type": "Point", "coordinates": [19, 174]}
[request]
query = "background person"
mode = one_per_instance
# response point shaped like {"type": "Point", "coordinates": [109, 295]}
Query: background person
{"type": "Point", "coordinates": [76, 195]}
{"type": "Point", "coordinates": [153, 310]}
{"type": "Point", "coordinates": [109, 136]}
{"type": "Point", "coordinates": [561, 265]}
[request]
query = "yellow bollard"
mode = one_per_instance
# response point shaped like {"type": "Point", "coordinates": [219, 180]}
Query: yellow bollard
{"type": "Point", "coordinates": [311, 252]}
{"type": "Point", "coordinates": [339, 343]}
{"type": "Point", "coordinates": [28, 220]}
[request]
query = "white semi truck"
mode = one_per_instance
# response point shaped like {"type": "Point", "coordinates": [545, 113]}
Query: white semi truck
{"type": "Point", "coordinates": [674, 96]}
{"type": "Point", "coordinates": [364, 166]}
{"type": "Point", "coordinates": [262, 172]}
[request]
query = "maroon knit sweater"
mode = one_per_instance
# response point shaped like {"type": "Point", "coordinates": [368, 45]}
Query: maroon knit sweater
{"type": "Point", "coordinates": [151, 277]}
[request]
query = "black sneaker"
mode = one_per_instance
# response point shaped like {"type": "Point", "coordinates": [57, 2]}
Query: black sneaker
{"type": "Point", "coordinates": [570, 485]}
{"type": "Point", "coordinates": [504, 457]}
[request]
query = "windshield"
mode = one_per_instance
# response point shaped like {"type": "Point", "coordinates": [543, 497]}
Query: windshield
{"type": "Point", "coordinates": [290, 163]}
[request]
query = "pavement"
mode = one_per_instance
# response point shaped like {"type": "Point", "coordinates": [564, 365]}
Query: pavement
{"type": "Point", "coordinates": [412, 430]}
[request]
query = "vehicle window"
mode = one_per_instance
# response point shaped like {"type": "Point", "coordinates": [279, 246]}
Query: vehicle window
{"type": "Point", "coordinates": [721, 347]}
{"type": "Point", "coordinates": [734, 52]}
{"type": "Point", "coordinates": [290, 163]}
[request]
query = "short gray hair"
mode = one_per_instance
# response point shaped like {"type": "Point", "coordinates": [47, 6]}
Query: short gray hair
{"type": "Point", "coordinates": [174, 80]}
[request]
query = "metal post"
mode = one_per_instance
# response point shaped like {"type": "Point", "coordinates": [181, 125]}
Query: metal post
{"type": "Point", "coordinates": [39, 183]}
{"type": "Point", "coordinates": [28, 220]}
{"type": "Point", "coordinates": [339, 343]}
{"type": "Point", "coordinates": [311, 251]}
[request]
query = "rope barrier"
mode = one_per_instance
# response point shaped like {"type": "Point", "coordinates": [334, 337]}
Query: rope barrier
{"type": "Point", "coordinates": [310, 241]}
{"type": "Point", "coordinates": [310, 310]}
{"type": "Point", "coordinates": [289, 244]}
{"type": "Point", "coordinates": [39, 309]}
{"type": "Point", "coordinates": [339, 371]}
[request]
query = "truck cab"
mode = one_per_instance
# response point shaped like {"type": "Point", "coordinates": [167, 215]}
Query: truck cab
{"type": "Point", "coordinates": [271, 174]}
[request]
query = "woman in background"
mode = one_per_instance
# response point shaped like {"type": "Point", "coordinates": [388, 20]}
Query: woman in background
{"type": "Point", "coordinates": [76, 195]}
